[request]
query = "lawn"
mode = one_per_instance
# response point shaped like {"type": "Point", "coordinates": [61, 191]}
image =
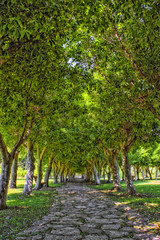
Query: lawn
{"type": "Point", "coordinates": [147, 204]}
{"type": "Point", "coordinates": [24, 210]}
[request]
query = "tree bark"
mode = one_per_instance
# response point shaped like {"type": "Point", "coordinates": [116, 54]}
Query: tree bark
{"type": "Point", "coordinates": [127, 169]}
{"type": "Point", "coordinates": [109, 177]}
{"type": "Point", "coordinates": [138, 173]}
{"type": "Point", "coordinates": [30, 169]}
{"type": "Point", "coordinates": [135, 174]}
{"type": "Point", "coordinates": [55, 178]}
{"type": "Point", "coordinates": [13, 182]}
{"type": "Point", "coordinates": [96, 177]}
{"type": "Point", "coordinates": [143, 175]}
{"type": "Point", "coordinates": [39, 170]}
{"type": "Point", "coordinates": [48, 171]}
{"type": "Point", "coordinates": [99, 173]}
{"type": "Point", "coordinates": [156, 175]}
{"type": "Point", "coordinates": [123, 178]}
{"type": "Point", "coordinates": [61, 177]}
{"type": "Point", "coordinates": [115, 170]}
{"type": "Point", "coordinates": [5, 173]}
{"type": "Point", "coordinates": [150, 173]}
{"type": "Point", "coordinates": [7, 159]}
{"type": "Point", "coordinates": [104, 176]}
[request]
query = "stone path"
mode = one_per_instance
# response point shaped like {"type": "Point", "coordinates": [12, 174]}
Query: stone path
{"type": "Point", "coordinates": [81, 213]}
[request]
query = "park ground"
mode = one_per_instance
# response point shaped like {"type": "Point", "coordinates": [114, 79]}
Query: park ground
{"type": "Point", "coordinates": [24, 210]}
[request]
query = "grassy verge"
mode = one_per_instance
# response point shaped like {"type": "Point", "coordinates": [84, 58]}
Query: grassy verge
{"type": "Point", "coordinates": [148, 204]}
{"type": "Point", "coordinates": [23, 210]}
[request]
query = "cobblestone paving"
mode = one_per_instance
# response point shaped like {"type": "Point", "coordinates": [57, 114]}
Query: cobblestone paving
{"type": "Point", "coordinates": [81, 213]}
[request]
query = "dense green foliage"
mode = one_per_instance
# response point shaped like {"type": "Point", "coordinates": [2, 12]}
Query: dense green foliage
{"type": "Point", "coordinates": [80, 78]}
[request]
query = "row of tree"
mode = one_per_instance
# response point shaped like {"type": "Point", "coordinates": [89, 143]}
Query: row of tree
{"type": "Point", "coordinates": [81, 79]}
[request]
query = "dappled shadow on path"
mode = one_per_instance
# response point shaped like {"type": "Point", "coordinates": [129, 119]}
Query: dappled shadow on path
{"type": "Point", "coordinates": [83, 213]}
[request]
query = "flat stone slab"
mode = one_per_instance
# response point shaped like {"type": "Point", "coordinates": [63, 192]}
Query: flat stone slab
{"type": "Point", "coordinates": [90, 230]}
{"type": "Point", "coordinates": [66, 231]}
{"type": "Point", "coordinates": [117, 234]}
{"type": "Point", "coordinates": [111, 227]}
{"type": "Point", "coordinates": [96, 237]}
{"type": "Point", "coordinates": [53, 237]}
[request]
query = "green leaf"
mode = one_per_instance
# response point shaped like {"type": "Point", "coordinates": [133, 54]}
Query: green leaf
{"type": "Point", "coordinates": [20, 23]}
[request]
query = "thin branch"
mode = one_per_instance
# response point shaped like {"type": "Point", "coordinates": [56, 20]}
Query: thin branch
{"type": "Point", "coordinates": [129, 56]}
{"type": "Point", "coordinates": [23, 137]}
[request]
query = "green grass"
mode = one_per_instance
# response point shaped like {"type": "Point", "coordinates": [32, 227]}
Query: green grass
{"type": "Point", "coordinates": [23, 210]}
{"type": "Point", "coordinates": [148, 204]}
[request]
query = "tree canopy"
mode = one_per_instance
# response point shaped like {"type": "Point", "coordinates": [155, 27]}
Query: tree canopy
{"type": "Point", "coordinates": [79, 77]}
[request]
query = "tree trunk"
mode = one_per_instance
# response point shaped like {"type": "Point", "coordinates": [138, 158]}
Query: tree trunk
{"type": "Point", "coordinates": [104, 176]}
{"type": "Point", "coordinates": [143, 175]}
{"type": "Point", "coordinates": [14, 171]}
{"type": "Point", "coordinates": [5, 173]}
{"type": "Point", "coordinates": [109, 177]}
{"type": "Point", "coordinates": [48, 171]}
{"type": "Point", "coordinates": [127, 169]}
{"type": "Point", "coordinates": [150, 173]}
{"type": "Point", "coordinates": [7, 159]}
{"type": "Point", "coordinates": [39, 176]}
{"type": "Point", "coordinates": [55, 178]}
{"type": "Point", "coordinates": [123, 178]}
{"type": "Point", "coordinates": [115, 170]}
{"type": "Point", "coordinates": [61, 173]}
{"type": "Point", "coordinates": [82, 176]}
{"type": "Point", "coordinates": [135, 174]}
{"type": "Point", "coordinates": [138, 173]}
{"type": "Point", "coordinates": [156, 175]}
{"type": "Point", "coordinates": [96, 177]}
{"type": "Point", "coordinates": [61, 177]}
{"type": "Point", "coordinates": [146, 173]}
{"type": "Point", "coordinates": [30, 169]}
{"type": "Point", "coordinates": [99, 174]}
{"type": "Point", "coordinates": [39, 170]}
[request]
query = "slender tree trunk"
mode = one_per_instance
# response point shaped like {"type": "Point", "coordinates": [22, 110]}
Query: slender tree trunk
{"type": "Point", "coordinates": [14, 171]}
{"type": "Point", "coordinates": [30, 169]}
{"type": "Point", "coordinates": [96, 177]}
{"type": "Point", "coordinates": [39, 176]}
{"type": "Point", "coordinates": [104, 176]}
{"type": "Point", "coordinates": [156, 175]}
{"type": "Point", "coordinates": [143, 175]}
{"type": "Point", "coordinates": [55, 177]}
{"type": "Point", "coordinates": [39, 170]}
{"type": "Point", "coordinates": [150, 173]}
{"type": "Point", "coordinates": [138, 173]}
{"type": "Point", "coordinates": [7, 159]}
{"type": "Point", "coordinates": [127, 169]}
{"type": "Point", "coordinates": [115, 170]}
{"type": "Point", "coordinates": [146, 173]}
{"type": "Point", "coordinates": [123, 178]}
{"type": "Point", "coordinates": [61, 176]}
{"type": "Point", "coordinates": [48, 171]}
{"type": "Point", "coordinates": [109, 174]}
{"type": "Point", "coordinates": [5, 173]}
{"type": "Point", "coordinates": [99, 174]}
{"type": "Point", "coordinates": [4, 182]}
{"type": "Point", "coordinates": [135, 174]}
{"type": "Point", "coordinates": [88, 176]}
